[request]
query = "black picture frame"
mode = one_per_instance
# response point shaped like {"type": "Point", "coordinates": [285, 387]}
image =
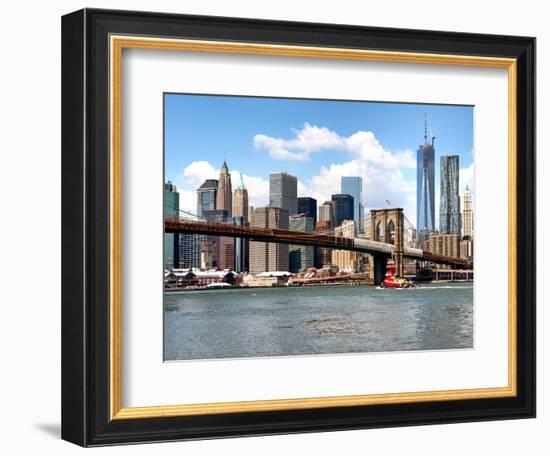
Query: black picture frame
{"type": "Point", "coordinates": [85, 227]}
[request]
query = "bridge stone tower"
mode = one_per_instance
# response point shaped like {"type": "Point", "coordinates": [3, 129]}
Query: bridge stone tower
{"type": "Point", "coordinates": [387, 225]}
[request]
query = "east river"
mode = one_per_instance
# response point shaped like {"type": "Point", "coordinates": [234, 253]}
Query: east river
{"type": "Point", "coordinates": [255, 322]}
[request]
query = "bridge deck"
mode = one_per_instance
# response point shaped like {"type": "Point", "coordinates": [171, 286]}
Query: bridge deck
{"type": "Point", "coordinates": [302, 238]}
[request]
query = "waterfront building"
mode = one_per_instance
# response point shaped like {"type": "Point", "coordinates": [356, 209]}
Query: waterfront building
{"type": "Point", "coordinates": [171, 199]}
{"type": "Point", "coordinates": [468, 215]}
{"type": "Point", "coordinates": [444, 244]}
{"type": "Point", "coordinates": [268, 256]}
{"type": "Point", "coordinates": [283, 192]}
{"type": "Point", "coordinates": [353, 185]}
{"type": "Point", "coordinates": [308, 206]}
{"type": "Point", "coordinates": [301, 256]}
{"type": "Point", "coordinates": [343, 208]}
{"type": "Point", "coordinates": [346, 260]}
{"type": "Point", "coordinates": [206, 196]}
{"type": "Point", "coordinates": [425, 187]}
{"type": "Point", "coordinates": [224, 199]}
{"type": "Point", "coordinates": [266, 279]}
{"type": "Point", "coordinates": [449, 201]}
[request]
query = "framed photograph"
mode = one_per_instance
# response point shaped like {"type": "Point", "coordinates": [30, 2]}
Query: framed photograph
{"type": "Point", "coordinates": [279, 227]}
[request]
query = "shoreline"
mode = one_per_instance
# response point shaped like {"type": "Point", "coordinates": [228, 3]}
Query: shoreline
{"type": "Point", "coordinates": [356, 284]}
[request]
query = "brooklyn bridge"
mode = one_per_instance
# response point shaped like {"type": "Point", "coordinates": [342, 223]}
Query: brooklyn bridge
{"type": "Point", "coordinates": [386, 239]}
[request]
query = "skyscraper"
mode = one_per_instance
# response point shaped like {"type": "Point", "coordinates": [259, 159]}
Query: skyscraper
{"type": "Point", "coordinates": [241, 217]}
{"type": "Point", "coordinates": [171, 200]}
{"type": "Point", "coordinates": [343, 208]}
{"type": "Point", "coordinates": [301, 256]}
{"type": "Point", "coordinates": [268, 256]}
{"type": "Point", "coordinates": [327, 213]}
{"type": "Point", "coordinates": [468, 215]}
{"type": "Point", "coordinates": [206, 196]}
{"type": "Point", "coordinates": [190, 250]}
{"type": "Point", "coordinates": [353, 185]}
{"type": "Point", "coordinates": [240, 201]}
{"type": "Point", "coordinates": [224, 249]}
{"type": "Point", "coordinates": [425, 187]}
{"type": "Point", "coordinates": [449, 202]}
{"type": "Point", "coordinates": [308, 206]}
{"type": "Point", "coordinates": [224, 199]}
{"type": "Point", "coordinates": [283, 192]}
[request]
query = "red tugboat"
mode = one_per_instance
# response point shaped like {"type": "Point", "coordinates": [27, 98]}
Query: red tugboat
{"type": "Point", "coordinates": [393, 281]}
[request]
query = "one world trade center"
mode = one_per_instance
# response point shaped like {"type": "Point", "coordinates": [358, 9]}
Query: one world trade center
{"type": "Point", "coordinates": [425, 181]}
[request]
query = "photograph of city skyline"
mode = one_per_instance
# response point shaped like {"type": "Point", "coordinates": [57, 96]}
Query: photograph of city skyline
{"type": "Point", "coordinates": [314, 227]}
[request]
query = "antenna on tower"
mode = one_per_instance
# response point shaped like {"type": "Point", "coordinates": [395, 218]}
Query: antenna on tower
{"type": "Point", "coordinates": [425, 128]}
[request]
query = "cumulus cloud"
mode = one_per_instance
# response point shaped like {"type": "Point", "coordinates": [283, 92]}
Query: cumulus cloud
{"type": "Point", "coordinates": [312, 138]}
{"type": "Point", "coordinates": [257, 188]}
{"type": "Point", "coordinates": [307, 140]}
{"type": "Point", "coordinates": [197, 172]}
{"type": "Point", "coordinates": [466, 176]}
{"type": "Point", "coordinates": [188, 201]}
{"type": "Point", "coordinates": [380, 183]}
{"type": "Point", "coordinates": [193, 176]}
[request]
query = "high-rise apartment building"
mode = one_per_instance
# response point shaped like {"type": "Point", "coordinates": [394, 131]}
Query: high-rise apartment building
{"type": "Point", "coordinates": [353, 185]}
{"type": "Point", "coordinates": [268, 256]}
{"type": "Point", "coordinates": [301, 256]}
{"type": "Point", "coordinates": [343, 208]}
{"type": "Point", "coordinates": [206, 196]}
{"type": "Point", "coordinates": [425, 187]}
{"type": "Point", "coordinates": [449, 201]}
{"type": "Point", "coordinates": [224, 199]}
{"type": "Point", "coordinates": [171, 199]}
{"type": "Point", "coordinates": [283, 192]}
{"type": "Point", "coordinates": [467, 215]}
{"type": "Point", "coordinates": [308, 206]}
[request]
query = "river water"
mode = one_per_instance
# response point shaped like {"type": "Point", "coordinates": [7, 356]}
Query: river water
{"type": "Point", "coordinates": [256, 322]}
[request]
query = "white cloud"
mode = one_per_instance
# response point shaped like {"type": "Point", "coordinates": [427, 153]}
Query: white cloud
{"type": "Point", "coordinates": [196, 173]}
{"type": "Point", "coordinates": [310, 138]}
{"type": "Point", "coordinates": [466, 177]}
{"type": "Point", "coordinates": [380, 183]}
{"type": "Point", "coordinates": [258, 188]}
{"type": "Point", "coordinates": [188, 201]}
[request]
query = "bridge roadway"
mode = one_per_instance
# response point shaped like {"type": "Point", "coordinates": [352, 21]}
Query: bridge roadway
{"type": "Point", "coordinates": [304, 238]}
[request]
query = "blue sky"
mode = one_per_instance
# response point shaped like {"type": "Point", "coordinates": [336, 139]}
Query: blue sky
{"type": "Point", "coordinates": [315, 140]}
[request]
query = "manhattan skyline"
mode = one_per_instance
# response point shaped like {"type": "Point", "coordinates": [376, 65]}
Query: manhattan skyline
{"type": "Point", "coordinates": [316, 141]}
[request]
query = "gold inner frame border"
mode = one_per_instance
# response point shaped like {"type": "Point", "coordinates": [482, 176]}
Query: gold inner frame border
{"type": "Point", "coordinates": [116, 46]}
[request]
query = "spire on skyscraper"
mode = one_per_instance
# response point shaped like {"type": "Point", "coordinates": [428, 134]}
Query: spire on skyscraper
{"type": "Point", "coordinates": [425, 129]}
{"type": "Point", "coordinates": [224, 197]}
